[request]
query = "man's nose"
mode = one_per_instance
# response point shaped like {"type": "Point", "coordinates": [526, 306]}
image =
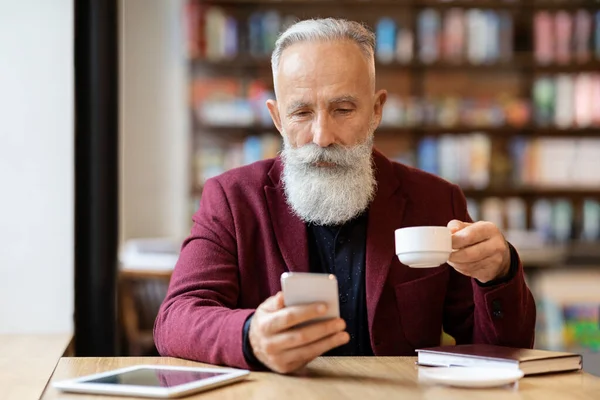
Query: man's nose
{"type": "Point", "coordinates": [322, 131]}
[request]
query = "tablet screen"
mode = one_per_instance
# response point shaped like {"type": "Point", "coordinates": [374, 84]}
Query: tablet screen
{"type": "Point", "coordinates": [150, 377]}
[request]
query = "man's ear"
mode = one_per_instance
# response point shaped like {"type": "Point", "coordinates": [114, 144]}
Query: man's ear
{"type": "Point", "coordinates": [380, 98]}
{"type": "Point", "coordinates": [274, 111]}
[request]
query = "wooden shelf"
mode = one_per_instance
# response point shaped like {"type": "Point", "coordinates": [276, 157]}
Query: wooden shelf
{"type": "Point", "coordinates": [533, 192]}
{"type": "Point", "coordinates": [242, 131]}
{"type": "Point", "coordinates": [236, 131]}
{"type": "Point", "coordinates": [238, 62]}
{"type": "Point", "coordinates": [530, 131]}
{"type": "Point", "coordinates": [574, 67]}
{"type": "Point", "coordinates": [464, 129]}
{"type": "Point", "coordinates": [452, 130]}
{"type": "Point", "coordinates": [519, 63]}
{"type": "Point", "coordinates": [575, 254]}
{"type": "Point", "coordinates": [247, 62]}
{"type": "Point", "coordinates": [440, 66]}
{"type": "Point", "coordinates": [568, 5]}
{"type": "Point", "coordinates": [570, 132]}
{"type": "Point", "coordinates": [544, 257]}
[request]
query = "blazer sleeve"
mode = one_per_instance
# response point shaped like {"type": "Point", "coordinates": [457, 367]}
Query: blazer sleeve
{"type": "Point", "coordinates": [198, 319]}
{"type": "Point", "coordinates": [502, 314]}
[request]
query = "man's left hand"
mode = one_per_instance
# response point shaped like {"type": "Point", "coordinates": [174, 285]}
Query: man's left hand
{"type": "Point", "coordinates": [480, 250]}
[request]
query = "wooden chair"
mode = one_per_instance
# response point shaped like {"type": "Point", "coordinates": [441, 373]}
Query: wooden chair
{"type": "Point", "coordinates": [140, 296]}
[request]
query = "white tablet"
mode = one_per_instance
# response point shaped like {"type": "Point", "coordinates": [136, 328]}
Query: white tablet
{"type": "Point", "coordinates": [155, 381]}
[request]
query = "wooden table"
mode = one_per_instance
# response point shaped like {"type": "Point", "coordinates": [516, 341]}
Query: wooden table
{"type": "Point", "coordinates": [27, 362]}
{"type": "Point", "coordinates": [345, 378]}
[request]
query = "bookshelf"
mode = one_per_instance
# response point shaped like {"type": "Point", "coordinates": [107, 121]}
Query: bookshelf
{"type": "Point", "coordinates": [456, 100]}
{"type": "Point", "coordinates": [520, 159]}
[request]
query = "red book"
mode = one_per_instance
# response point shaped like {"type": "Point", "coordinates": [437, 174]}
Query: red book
{"type": "Point", "coordinates": [564, 37]}
{"type": "Point", "coordinates": [544, 38]}
{"type": "Point", "coordinates": [583, 35]}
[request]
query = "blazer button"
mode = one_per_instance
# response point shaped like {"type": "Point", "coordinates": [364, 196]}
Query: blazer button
{"type": "Point", "coordinates": [497, 309]}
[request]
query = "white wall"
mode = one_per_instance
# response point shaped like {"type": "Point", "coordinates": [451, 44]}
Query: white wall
{"type": "Point", "coordinates": [36, 166]}
{"type": "Point", "coordinates": [154, 120]}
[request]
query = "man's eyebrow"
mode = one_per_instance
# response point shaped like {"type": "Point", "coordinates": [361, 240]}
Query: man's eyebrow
{"type": "Point", "coordinates": [344, 99]}
{"type": "Point", "coordinates": [295, 105]}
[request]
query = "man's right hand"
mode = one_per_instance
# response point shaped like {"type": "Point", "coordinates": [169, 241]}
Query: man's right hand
{"type": "Point", "coordinates": [283, 347]}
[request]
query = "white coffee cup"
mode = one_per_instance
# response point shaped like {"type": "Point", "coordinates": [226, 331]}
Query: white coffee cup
{"type": "Point", "coordinates": [423, 246]}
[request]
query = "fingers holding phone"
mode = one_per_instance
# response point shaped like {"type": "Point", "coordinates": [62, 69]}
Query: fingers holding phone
{"type": "Point", "coordinates": [291, 329]}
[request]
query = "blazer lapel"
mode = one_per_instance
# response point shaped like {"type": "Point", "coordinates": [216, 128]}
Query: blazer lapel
{"type": "Point", "coordinates": [385, 215]}
{"type": "Point", "coordinates": [290, 231]}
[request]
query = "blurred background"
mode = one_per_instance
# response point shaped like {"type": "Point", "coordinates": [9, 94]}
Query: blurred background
{"type": "Point", "coordinates": [499, 96]}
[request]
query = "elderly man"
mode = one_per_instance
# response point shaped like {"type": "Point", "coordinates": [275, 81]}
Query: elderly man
{"type": "Point", "coordinates": [331, 203]}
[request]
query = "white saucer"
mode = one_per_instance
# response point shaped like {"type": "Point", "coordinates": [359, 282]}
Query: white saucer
{"type": "Point", "coordinates": [471, 376]}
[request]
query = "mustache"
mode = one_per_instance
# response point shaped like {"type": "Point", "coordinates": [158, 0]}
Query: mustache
{"type": "Point", "coordinates": [336, 154]}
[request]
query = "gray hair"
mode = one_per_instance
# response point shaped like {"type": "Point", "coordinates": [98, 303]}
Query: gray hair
{"type": "Point", "coordinates": [326, 29]}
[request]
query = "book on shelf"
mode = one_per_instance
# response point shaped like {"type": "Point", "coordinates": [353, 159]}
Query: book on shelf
{"type": "Point", "coordinates": [530, 361]}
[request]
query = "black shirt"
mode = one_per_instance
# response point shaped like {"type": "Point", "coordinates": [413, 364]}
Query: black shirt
{"type": "Point", "coordinates": [341, 250]}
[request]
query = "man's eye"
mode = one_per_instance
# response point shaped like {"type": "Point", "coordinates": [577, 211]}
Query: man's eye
{"type": "Point", "coordinates": [301, 114]}
{"type": "Point", "coordinates": [344, 110]}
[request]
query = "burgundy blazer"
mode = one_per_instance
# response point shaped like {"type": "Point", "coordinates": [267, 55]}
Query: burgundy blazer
{"type": "Point", "coordinates": [245, 236]}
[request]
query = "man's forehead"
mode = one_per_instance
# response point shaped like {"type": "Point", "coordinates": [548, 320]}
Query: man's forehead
{"type": "Point", "coordinates": [303, 101]}
{"type": "Point", "coordinates": [321, 55]}
{"type": "Point", "coordinates": [338, 67]}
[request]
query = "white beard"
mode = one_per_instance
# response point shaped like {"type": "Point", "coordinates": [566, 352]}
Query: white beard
{"type": "Point", "coordinates": [330, 195]}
